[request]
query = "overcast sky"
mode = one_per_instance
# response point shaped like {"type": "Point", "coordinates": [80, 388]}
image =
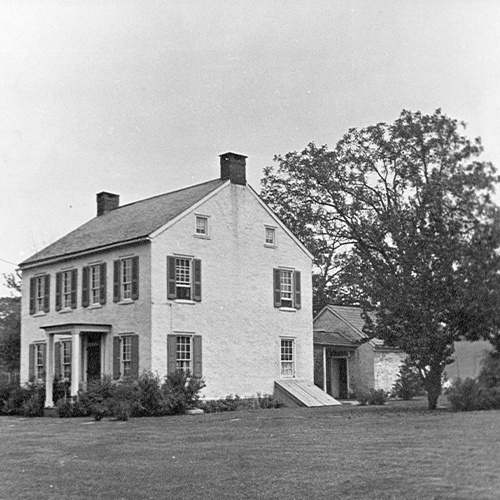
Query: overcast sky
{"type": "Point", "coordinates": [140, 98]}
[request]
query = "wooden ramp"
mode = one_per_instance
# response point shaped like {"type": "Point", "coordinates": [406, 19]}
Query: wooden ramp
{"type": "Point", "coordinates": [302, 393]}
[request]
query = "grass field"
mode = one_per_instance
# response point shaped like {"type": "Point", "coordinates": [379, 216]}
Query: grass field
{"type": "Point", "coordinates": [400, 451]}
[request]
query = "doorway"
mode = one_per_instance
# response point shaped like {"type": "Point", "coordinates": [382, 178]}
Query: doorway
{"type": "Point", "coordinates": [338, 386]}
{"type": "Point", "coordinates": [93, 357]}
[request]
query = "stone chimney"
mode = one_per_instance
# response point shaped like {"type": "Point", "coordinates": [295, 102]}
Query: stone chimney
{"type": "Point", "coordinates": [233, 167]}
{"type": "Point", "coordinates": [107, 202]}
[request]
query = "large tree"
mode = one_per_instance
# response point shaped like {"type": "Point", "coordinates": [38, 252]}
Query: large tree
{"type": "Point", "coordinates": [410, 204]}
{"type": "Point", "coordinates": [10, 325]}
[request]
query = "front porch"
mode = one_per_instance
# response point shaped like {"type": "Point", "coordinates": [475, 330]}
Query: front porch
{"type": "Point", "coordinates": [78, 352]}
{"type": "Point", "coordinates": [332, 355]}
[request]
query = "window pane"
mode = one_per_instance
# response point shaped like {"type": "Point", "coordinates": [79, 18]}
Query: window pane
{"type": "Point", "coordinates": [287, 361]}
{"type": "Point", "coordinates": [127, 278]}
{"type": "Point", "coordinates": [95, 284]}
{"type": "Point", "coordinates": [126, 355]}
{"type": "Point", "coordinates": [183, 278]}
{"type": "Point", "coordinates": [183, 353]}
{"type": "Point", "coordinates": [270, 235]}
{"type": "Point", "coordinates": [286, 283]}
{"type": "Point", "coordinates": [66, 289]}
{"type": "Point", "coordinates": [201, 225]}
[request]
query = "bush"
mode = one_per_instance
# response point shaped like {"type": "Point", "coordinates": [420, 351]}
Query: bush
{"type": "Point", "coordinates": [409, 383]}
{"type": "Point", "coordinates": [235, 403]}
{"type": "Point", "coordinates": [152, 399]}
{"type": "Point", "coordinates": [374, 397]}
{"type": "Point", "coordinates": [181, 392]}
{"type": "Point", "coordinates": [465, 395]}
{"type": "Point", "coordinates": [482, 393]}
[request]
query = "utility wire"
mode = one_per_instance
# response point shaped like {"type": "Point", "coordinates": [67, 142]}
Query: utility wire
{"type": "Point", "coordinates": [8, 262]}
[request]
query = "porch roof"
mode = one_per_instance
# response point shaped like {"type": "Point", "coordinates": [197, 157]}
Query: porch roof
{"type": "Point", "coordinates": [333, 339]}
{"type": "Point", "coordinates": [80, 327]}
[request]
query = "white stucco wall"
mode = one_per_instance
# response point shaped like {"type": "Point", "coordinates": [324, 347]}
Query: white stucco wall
{"type": "Point", "coordinates": [239, 325]}
{"type": "Point", "coordinates": [387, 365]}
{"type": "Point", "coordinates": [133, 317]}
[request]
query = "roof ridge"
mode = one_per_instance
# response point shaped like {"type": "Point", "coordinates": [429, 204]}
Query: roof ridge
{"type": "Point", "coordinates": [167, 193]}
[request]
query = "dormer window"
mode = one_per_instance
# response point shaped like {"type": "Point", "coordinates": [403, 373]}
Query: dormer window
{"type": "Point", "coordinates": [270, 240]}
{"type": "Point", "coordinates": [201, 226]}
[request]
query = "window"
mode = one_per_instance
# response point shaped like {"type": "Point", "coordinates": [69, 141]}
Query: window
{"type": "Point", "coordinates": [270, 236]}
{"type": "Point", "coordinates": [287, 288]}
{"type": "Point", "coordinates": [184, 353]}
{"type": "Point", "coordinates": [126, 279]}
{"type": "Point", "coordinates": [66, 289]}
{"type": "Point", "coordinates": [184, 278]}
{"type": "Point", "coordinates": [40, 294]}
{"type": "Point", "coordinates": [66, 360]}
{"type": "Point", "coordinates": [201, 225]}
{"type": "Point", "coordinates": [40, 361]}
{"type": "Point", "coordinates": [94, 285]}
{"type": "Point", "coordinates": [126, 356]}
{"type": "Point", "coordinates": [287, 358]}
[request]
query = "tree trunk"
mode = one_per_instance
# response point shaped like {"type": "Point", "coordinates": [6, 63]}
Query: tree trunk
{"type": "Point", "coordinates": [433, 386]}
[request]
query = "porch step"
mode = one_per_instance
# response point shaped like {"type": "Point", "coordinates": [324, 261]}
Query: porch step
{"type": "Point", "coordinates": [302, 393]}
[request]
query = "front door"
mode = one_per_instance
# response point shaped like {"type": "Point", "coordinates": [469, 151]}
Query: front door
{"type": "Point", "coordinates": [339, 378]}
{"type": "Point", "coordinates": [93, 357]}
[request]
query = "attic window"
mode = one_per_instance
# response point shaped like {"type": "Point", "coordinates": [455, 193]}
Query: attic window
{"type": "Point", "coordinates": [201, 225]}
{"type": "Point", "coordinates": [270, 236]}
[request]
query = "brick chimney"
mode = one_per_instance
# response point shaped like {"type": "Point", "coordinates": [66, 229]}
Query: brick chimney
{"type": "Point", "coordinates": [107, 202]}
{"type": "Point", "coordinates": [233, 167]}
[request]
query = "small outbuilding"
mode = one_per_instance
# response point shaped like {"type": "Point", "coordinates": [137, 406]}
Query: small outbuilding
{"type": "Point", "coordinates": [346, 361]}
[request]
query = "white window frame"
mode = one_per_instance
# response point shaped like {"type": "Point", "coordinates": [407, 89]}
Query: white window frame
{"type": "Point", "coordinates": [198, 228]}
{"type": "Point", "coordinates": [39, 365]}
{"type": "Point", "coordinates": [40, 293]}
{"type": "Point", "coordinates": [66, 288]}
{"type": "Point", "coordinates": [184, 352]}
{"type": "Point", "coordinates": [287, 357]}
{"type": "Point", "coordinates": [286, 288]}
{"type": "Point", "coordinates": [95, 284]}
{"type": "Point", "coordinates": [126, 278]}
{"type": "Point", "coordinates": [181, 282]}
{"type": "Point", "coordinates": [126, 355]}
{"type": "Point", "coordinates": [66, 359]}
{"type": "Point", "coordinates": [270, 242]}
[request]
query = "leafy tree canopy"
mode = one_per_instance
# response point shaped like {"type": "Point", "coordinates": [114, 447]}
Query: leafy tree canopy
{"type": "Point", "coordinates": [401, 221]}
{"type": "Point", "coordinates": [10, 325]}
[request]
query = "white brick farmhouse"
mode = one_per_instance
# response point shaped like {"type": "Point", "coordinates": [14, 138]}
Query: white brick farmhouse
{"type": "Point", "coordinates": [205, 278]}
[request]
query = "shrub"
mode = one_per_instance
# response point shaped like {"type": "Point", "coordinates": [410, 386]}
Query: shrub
{"type": "Point", "coordinates": [374, 397]}
{"type": "Point", "coordinates": [466, 395]}
{"type": "Point", "coordinates": [181, 392]}
{"type": "Point", "coordinates": [152, 398]}
{"type": "Point", "coordinates": [235, 403]}
{"type": "Point", "coordinates": [409, 382]}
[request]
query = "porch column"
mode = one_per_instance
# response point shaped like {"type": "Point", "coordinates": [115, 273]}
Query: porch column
{"type": "Point", "coordinates": [75, 362]}
{"type": "Point", "coordinates": [324, 368]}
{"type": "Point", "coordinates": [49, 371]}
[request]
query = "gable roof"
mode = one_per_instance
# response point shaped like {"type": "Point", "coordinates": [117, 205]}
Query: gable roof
{"type": "Point", "coordinates": [126, 224]}
{"type": "Point", "coordinates": [351, 316]}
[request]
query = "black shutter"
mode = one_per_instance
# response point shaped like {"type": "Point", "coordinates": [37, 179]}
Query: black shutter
{"type": "Point", "coordinates": [171, 354]}
{"type": "Point", "coordinates": [44, 360]}
{"type": "Point", "coordinates": [171, 287]}
{"type": "Point", "coordinates": [32, 360]}
{"type": "Point", "coordinates": [134, 361]}
{"type": "Point", "coordinates": [32, 295]}
{"type": "Point", "coordinates": [277, 288]}
{"type": "Point", "coordinates": [102, 277]}
{"type": "Point", "coordinates": [58, 291]}
{"type": "Point", "coordinates": [117, 357]}
{"type": "Point", "coordinates": [116, 280]}
{"type": "Point", "coordinates": [46, 295]}
{"type": "Point", "coordinates": [135, 278]}
{"type": "Point", "coordinates": [74, 285]}
{"type": "Point", "coordinates": [197, 365]}
{"type": "Point", "coordinates": [197, 279]}
{"type": "Point", "coordinates": [57, 360]}
{"type": "Point", "coordinates": [296, 280]}
{"type": "Point", "coordinates": [85, 286]}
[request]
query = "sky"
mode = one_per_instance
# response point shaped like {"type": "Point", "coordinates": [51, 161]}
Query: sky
{"type": "Point", "coordinates": [140, 98]}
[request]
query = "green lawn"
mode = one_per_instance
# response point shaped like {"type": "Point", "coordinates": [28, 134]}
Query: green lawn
{"type": "Point", "coordinates": [399, 451]}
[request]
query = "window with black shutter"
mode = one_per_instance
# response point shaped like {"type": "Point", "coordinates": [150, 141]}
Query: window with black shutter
{"type": "Point", "coordinates": [183, 278]}
{"type": "Point", "coordinates": [286, 289]}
